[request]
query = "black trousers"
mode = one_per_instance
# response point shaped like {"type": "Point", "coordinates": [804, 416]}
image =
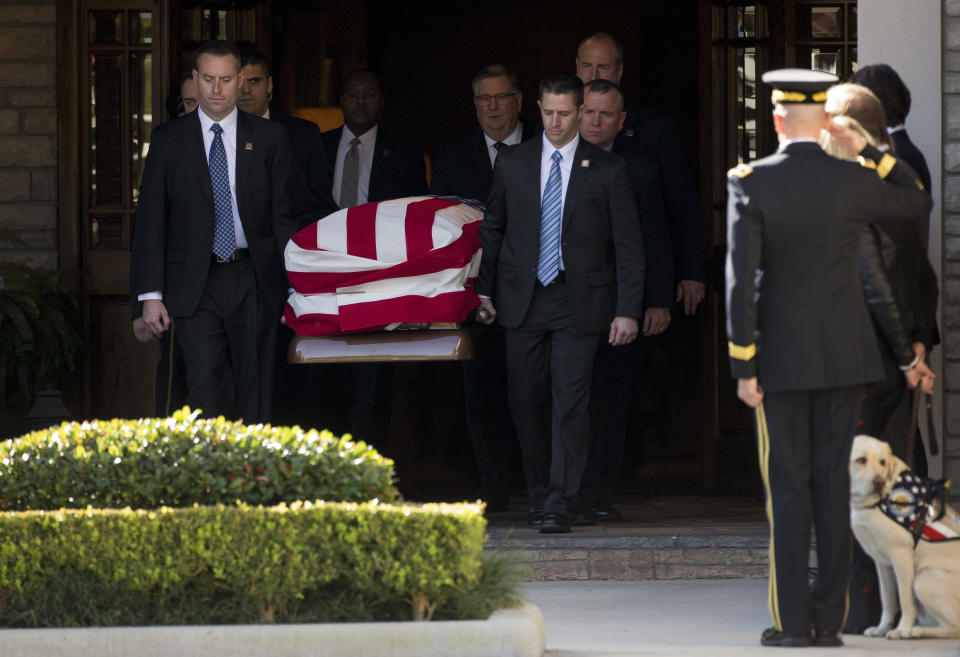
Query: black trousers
{"type": "Point", "coordinates": [614, 381]}
{"type": "Point", "coordinates": [804, 440]}
{"type": "Point", "coordinates": [487, 413]}
{"type": "Point", "coordinates": [550, 367]}
{"type": "Point", "coordinates": [228, 346]}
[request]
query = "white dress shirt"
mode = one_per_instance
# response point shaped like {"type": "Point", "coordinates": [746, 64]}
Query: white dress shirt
{"type": "Point", "coordinates": [514, 138]}
{"type": "Point", "coordinates": [368, 142]}
{"type": "Point", "coordinates": [566, 166]}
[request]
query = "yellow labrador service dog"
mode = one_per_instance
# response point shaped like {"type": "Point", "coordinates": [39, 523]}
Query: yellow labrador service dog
{"type": "Point", "coordinates": [915, 545]}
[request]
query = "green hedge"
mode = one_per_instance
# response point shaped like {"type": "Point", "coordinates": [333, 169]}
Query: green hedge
{"type": "Point", "coordinates": [183, 460]}
{"type": "Point", "coordinates": [239, 564]}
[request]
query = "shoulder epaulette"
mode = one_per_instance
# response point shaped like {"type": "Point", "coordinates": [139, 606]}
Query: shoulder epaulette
{"type": "Point", "coordinates": [740, 171]}
{"type": "Point", "coordinates": [883, 167]}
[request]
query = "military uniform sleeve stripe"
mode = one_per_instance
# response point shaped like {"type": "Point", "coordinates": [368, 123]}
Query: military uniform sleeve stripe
{"type": "Point", "coordinates": [886, 165]}
{"type": "Point", "coordinates": [742, 353]}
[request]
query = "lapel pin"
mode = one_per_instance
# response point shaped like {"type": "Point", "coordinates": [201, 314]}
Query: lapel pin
{"type": "Point", "coordinates": [584, 163]}
{"type": "Point", "coordinates": [386, 152]}
{"type": "Point", "coordinates": [628, 132]}
{"type": "Point", "coordinates": [248, 146]}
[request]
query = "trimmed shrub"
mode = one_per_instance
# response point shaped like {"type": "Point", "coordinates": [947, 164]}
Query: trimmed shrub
{"type": "Point", "coordinates": [185, 460]}
{"type": "Point", "coordinates": [242, 564]}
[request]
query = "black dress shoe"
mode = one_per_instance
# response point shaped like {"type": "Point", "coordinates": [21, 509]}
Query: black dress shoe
{"type": "Point", "coordinates": [826, 639]}
{"type": "Point", "coordinates": [606, 513]}
{"type": "Point", "coordinates": [535, 517]}
{"type": "Point", "coordinates": [554, 523]}
{"type": "Point", "coordinates": [773, 637]}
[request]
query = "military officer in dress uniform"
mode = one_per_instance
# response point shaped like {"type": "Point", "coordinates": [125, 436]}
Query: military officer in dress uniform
{"type": "Point", "coordinates": [801, 341]}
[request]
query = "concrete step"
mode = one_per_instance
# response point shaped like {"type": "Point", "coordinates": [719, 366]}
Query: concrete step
{"type": "Point", "coordinates": [677, 537]}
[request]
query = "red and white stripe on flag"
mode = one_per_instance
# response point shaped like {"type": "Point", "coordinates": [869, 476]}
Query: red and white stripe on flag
{"type": "Point", "coordinates": [376, 265]}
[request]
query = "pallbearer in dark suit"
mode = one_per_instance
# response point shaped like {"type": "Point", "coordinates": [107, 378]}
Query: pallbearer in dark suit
{"type": "Point", "coordinates": [213, 219]}
{"type": "Point", "coordinates": [615, 371]}
{"type": "Point", "coordinates": [801, 341]}
{"type": "Point", "coordinates": [312, 182]}
{"type": "Point", "coordinates": [563, 265]}
{"type": "Point", "coordinates": [654, 134]}
{"type": "Point", "coordinates": [313, 164]}
{"type": "Point", "coordinates": [386, 167]}
{"type": "Point", "coordinates": [464, 168]}
{"type": "Point", "coordinates": [369, 165]}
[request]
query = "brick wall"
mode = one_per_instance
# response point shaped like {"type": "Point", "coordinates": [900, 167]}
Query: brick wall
{"type": "Point", "coordinates": [28, 129]}
{"type": "Point", "coordinates": [950, 286]}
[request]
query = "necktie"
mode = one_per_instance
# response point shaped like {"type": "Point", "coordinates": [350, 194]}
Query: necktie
{"type": "Point", "coordinates": [351, 175]}
{"type": "Point", "coordinates": [548, 266]}
{"type": "Point", "coordinates": [499, 147]}
{"type": "Point", "coordinates": [224, 238]}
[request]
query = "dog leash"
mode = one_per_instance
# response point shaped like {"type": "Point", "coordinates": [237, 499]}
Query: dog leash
{"type": "Point", "coordinates": [931, 427]}
{"type": "Point", "coordinates": [912, 428]}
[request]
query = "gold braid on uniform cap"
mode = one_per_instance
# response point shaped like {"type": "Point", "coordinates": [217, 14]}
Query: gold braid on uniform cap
{"type": "Point", "coordinates": [779, 96]}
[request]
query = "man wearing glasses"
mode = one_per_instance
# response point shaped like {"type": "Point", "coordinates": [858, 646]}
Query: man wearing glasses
{"type": "Point", "coordinates": [464, 168]}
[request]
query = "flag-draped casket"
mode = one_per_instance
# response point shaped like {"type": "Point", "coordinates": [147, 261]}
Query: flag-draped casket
{"type": "Point", "coordinates": [377, 265]}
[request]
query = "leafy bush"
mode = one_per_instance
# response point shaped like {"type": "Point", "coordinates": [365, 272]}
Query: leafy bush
{"type": "Point", "coordinates": [182, 460]}
{"type": "Point", "coordinates": [242, 564]}
{"type": "Point", "coordinates": [39, 319]}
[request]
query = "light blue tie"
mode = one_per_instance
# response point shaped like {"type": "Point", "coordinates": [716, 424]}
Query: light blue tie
{"type": "Point", "coordinates": [548, 266]}
{"type": "Point", "coordinates": [224, 239]}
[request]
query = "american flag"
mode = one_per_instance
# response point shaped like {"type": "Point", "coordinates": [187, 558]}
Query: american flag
{"type": "Point", "coordinates": [376, 265]}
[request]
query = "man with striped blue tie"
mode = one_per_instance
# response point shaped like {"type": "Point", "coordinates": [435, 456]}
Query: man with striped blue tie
{"type": "Point", "coordinates": [562, 269]}
{"type": "Point", "coordinates": [214, 216]}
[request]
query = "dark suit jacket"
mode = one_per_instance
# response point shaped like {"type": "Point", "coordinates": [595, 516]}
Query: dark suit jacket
{"type": "Point", "coordinates": [600, 240]}
{"type": "Point", "coordinates": [398, 169]}
{"type": "Point", "coordinates": [904, 149]}
{"type": "Point", "coordinates": [796, 316]}
{"type": "Point", "coordinates": [645, 181]}
{"type": "Point", "coordinates": [462, 166]}
{"type": "Point", "coordinates": [173, 238]}
{"type": "Point", "coordinates": [655, 135]}
{"type": "Point", "coordinates": [313, 164]}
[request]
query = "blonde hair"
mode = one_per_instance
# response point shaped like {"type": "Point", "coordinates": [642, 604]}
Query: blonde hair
{"type": "Point", "coordinates": [858, 108]}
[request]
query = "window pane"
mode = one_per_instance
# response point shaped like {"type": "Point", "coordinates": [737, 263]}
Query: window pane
{"type": "Point", "coordinates": [746, 104]}
{"type": "Point", "coordinates": [746, 21]}
{"type": "Point", "coordinates": [106, 152]}
{"type": "Point", "coordinates": [819, 23]}
{"type": "Point", "coordinates": [141, 27]}
{"type": "Point", "coordinates": [852, 25]}
{"type": "Point", "coordinates": [141, 116]}
{"type": "Point", "coordinates": [106, 232]}
{"type": "Point", "coordinates": [105, 27]}
{"type": "Point", "coordinates": [822, 59]}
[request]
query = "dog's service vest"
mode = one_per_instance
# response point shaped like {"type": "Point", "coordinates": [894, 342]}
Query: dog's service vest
{"type": "Point", "coordinates": [917, 505]}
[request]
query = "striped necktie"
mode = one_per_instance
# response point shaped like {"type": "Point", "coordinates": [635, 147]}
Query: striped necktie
{"type": "Point", "coordinates": [224, 237]}
{"type": "Point", "coordinates": [351, 175]}
{"type": "Point", "coordinates": [548, 266]}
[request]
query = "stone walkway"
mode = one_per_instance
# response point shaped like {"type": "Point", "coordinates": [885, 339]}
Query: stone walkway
{"type": "Point", "coordinates": [681, 618]}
